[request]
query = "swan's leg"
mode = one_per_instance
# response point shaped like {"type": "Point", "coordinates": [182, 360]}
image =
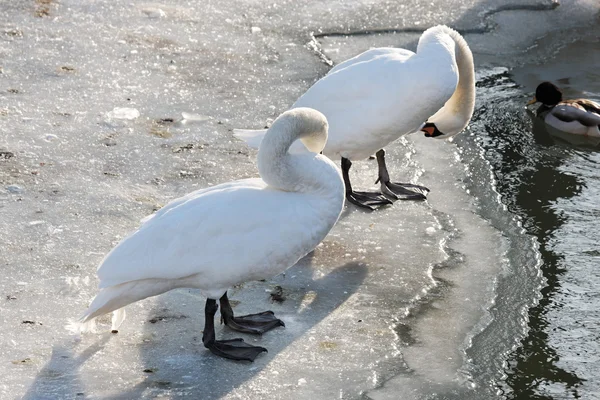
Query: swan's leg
{"type": "Point", "coordinates": [234, 349]}
{"type": "Point", "coordinates": [368, 200]}
{"type": "Point", "coordinates": [396, 190]}
{"type": "Point", "coordinates": [252, 323]}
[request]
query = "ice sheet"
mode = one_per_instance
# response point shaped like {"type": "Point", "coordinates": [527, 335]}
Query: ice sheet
{"type": "Point", "coordinates": [111, 109]}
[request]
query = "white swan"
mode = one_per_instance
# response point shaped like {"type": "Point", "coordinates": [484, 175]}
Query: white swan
{"type": "Point", "coordinates": [224, 235]}
{"type": "Point", "coordinates": [376, 97]}
{"type": "Point", "coordinates": [576, 116]}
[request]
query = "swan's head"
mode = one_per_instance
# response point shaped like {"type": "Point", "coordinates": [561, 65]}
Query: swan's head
{"type": "Point", "coordinates": [456, 113]}
{"type": "Point", "coordinates": [311, 126]}
{"type": "Point", "coordinates": [304, 124]}
{"type": "Point", "coordinates": [547, 93]}
{"type": "Point", "coordinates": [431, 130]}
{"type": "Point", "coordinates": [295, 171]}
{"type": "Point", "coordinates": [445, 125]}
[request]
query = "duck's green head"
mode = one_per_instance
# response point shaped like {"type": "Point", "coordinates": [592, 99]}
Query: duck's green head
{"type": "Point", "coordinates": [548, 94]}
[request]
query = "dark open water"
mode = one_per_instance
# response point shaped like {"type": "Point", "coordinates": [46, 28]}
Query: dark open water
{"type": "Point", "coordinates": [554, 188]}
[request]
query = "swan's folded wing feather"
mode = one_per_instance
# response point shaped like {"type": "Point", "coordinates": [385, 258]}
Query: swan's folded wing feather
{"type": "Point", "coordinates": [254, 137]}
{"type": "Point", "coordinates": [190, 196]}
{"type": "Point", "coordinates": [354, 81]}
{"type": "Point", "coordinates": [210, 234]}
{"type": "Point", "coordinates": [377, 96]}
{"type": "Point", "coordinates": [370, 55]}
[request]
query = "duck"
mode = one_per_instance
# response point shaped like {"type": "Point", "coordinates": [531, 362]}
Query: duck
{"type": "Point", "coordinates": [384, 93]}
{"type": "Point", "coordinates": [576, 116]}
{"type": "Point", "coordinates": [224, 235]}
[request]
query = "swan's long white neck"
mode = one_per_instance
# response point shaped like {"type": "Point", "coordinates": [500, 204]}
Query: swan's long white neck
{"type": "Point", "coordinates": [307, 172]}
{"type": "Point", "coordinates": [456, 113]}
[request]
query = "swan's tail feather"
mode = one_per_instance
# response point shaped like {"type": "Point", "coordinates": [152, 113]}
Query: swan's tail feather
{"type": "Point", "coordinates": [253, 138]}
{"type": "Point", "coordinates": [82, 327]}
{"type": "Point", "coordinates": [118, 316]}
{"type": "Point", "coordinates": [114, 298]}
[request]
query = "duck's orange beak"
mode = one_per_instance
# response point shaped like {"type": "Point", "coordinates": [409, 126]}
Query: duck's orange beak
{"type": "Point", "coordinates": [532, 101]}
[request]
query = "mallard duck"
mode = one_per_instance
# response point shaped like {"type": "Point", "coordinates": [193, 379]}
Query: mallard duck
{"type": "Point", "coordinates": [221, 236]}
{"type": "Point", "coordinates": [577, 116]}
{"type": "Point", "coordinates": [384, 93]}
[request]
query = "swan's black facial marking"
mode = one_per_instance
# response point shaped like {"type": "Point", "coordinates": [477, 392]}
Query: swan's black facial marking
{"type": "Point", "coordinates": [431, 130]}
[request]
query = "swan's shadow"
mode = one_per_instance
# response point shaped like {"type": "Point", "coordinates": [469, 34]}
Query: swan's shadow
{"type": "Point", "coordinates": [60, 377]}
{"type": "Point", "coordinates": [176, 357]}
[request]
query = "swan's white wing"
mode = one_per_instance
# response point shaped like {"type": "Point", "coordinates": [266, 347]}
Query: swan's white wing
{"type": "Point", "coordinates": [371, 103]}
{"type": "Point", "coordinates": [371, 54]}
{"type": "Point", "coordinates": [226, 234]}
{"type": "Point", "coordinates": [375, 97]}
{"type": "Point", "coordinates": [254, 137]}
{"type": "Point", "coordinates": [190, 196]}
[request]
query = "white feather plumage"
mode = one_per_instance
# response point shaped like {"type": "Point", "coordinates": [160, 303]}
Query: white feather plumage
{"type": "Point", "coordinates": [224, 235]}
{"type": "Point", "coordinates": [376, 97]}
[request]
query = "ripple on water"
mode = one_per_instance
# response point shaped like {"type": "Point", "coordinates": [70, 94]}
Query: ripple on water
{"type": "Point", "coordinates": [553, 187]}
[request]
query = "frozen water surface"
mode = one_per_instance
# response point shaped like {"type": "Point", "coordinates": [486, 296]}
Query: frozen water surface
{"type": "Point", "coordinates": [110, 109]}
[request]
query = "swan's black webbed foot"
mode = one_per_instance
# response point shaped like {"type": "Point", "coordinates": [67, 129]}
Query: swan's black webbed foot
{"type": "Point", "coordinates": [397, 190]}
{"type": "Point", "coordinates": [370, 200]}
{"type": "Point", "coordinates": [234, 349]}
{"type": "Point", "coordinates": [404, 191]}
{"type": "Point", "coordinates": [252, 323]}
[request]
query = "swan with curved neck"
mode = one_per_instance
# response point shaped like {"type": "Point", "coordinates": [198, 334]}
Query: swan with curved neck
{"type": "Point", "coordinates": [231, 233]}
{"type": "Point", "coordinates": [456, 113]}
{"type": "Point", "coordinates": [384, 93]}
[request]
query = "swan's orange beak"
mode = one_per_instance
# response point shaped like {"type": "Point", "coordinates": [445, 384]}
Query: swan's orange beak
{"type": "Point", "coordinates": [428, 130]}
{"type": "Point", "coordinates": [532, 101]}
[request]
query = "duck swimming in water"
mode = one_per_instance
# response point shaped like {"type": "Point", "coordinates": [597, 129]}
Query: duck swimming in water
{"type": "Point", "coordinates": [384, 93]}
{"type": "Point", "coordinates": [218, 237]}
{"type": "Point", "coordinates": [577, 116]}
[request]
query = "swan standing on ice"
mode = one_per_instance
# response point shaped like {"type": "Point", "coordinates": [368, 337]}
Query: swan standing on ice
{"type": "Point", "coordinates": [376, 97]}
{"type": "Point", "coordinates": [235, 232]}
